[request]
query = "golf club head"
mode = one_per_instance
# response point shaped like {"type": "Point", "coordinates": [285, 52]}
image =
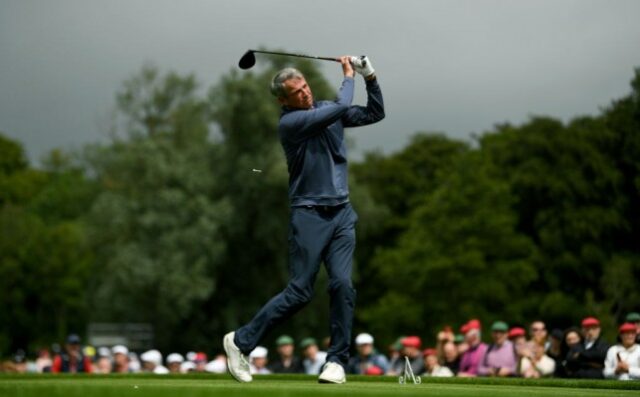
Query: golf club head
{"type": "Point", "coordinates": [248, 60]}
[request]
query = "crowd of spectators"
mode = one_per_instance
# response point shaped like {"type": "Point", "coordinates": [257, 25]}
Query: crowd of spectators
{"type": "Point", "coordinates": [576, 352]}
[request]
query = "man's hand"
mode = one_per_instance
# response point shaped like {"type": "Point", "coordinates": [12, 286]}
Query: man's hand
{"type": "Point", "coordinates": [622, 367]}
{"type": "Point", "coordinates": [363, 66]}
{"type": "Point", "coordinates": [347, 68]}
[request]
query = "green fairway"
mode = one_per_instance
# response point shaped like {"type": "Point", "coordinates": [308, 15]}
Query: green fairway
{"type": "Point", "coordinates": [272, 386]}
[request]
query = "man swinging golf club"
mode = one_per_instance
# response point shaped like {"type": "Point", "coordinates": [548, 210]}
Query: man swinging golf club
{"type": "Point", "coordinates": [322, 221]}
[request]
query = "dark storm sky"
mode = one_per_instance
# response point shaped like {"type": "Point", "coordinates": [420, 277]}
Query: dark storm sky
{"type": "Point", "coordinates": [453, 66]}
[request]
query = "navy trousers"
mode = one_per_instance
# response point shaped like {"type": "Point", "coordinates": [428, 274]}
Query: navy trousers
{"type": "Point", "coordinates": [316, 234]}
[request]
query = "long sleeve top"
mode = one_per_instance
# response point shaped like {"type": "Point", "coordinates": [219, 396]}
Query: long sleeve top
{"type": "Point", "coordinates": [313, 143]}
{"type": "Point", "coordinates": [631, 356]}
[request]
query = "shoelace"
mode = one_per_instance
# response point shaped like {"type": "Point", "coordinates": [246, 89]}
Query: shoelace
{"type": "Point", "coordinates": [244, 362]}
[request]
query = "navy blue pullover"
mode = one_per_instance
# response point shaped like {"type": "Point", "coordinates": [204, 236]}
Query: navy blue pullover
{"type": "Point", "coordinates": [313, 142]}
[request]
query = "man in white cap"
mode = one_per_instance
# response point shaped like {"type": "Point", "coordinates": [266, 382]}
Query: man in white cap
{"type": "Point", "coordinates": [368, 361]}
{"type": "Point", "coordinates": [174, 362]}
{"type": "Point", "coordinates": [258, 358]}
{"type": "Point", "coordinates": [152, 362]}
{"type": "Point", "coordinates": [120, 359]}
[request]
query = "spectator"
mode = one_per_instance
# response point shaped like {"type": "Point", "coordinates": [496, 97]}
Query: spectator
{"type": "Point", "coordinates": [200, 360]}
{"type": "Point", "coordinates": [432, 367]}
{"type": "Point", "coordinates": [538, 333]}
{"type": "Point", "coordinates": [572, 343]}
{"type": "Point", "coordinates": [394, 355]}
{"type": "Point", "coordinates": [120, 359]}
{"type": "Point", "coordinates": [134, 363]}
{"type": "Point", "coordinates": [103, 364]}
{"type": "Point", "coordinates": [555, 350]}
{"type": "Point", "coordinates": [188, 366]}
{"type": "Point", "coordinates": [71, 360]}
{"type": "Point", "coordinates": [470, 360]}
{"type": "Point", "coordinates": [314, 359]}
{"type": "Point", "coordinates": [499, 359]}
{"type": "Point", "coordinates": [623, 359]}
{"type": "Point", "coordinates": [450, 357]}
{"type": "Point", "coordinates": [152, 362]}
{"type": "Point", "coordinates": [536, 364]}
{"type": "Point", "coordinates": [411, 349]}
{"type": "Point", "coordinates": [590, 359]}
{"type": "Point", "coordinates": [287, 362]}
{"type": "Point", "coordinates": [44, 361]}
{"type": "Point", "coordinates": [634, 318]}
{"type": "Point", "coordinates": [174, 363]}
{"type": "Point", "coordinates": [367, 361]}
{"type": "Point", "coordinates": [258, 361]}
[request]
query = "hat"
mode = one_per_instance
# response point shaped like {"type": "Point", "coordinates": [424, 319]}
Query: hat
{"type": "Point", "coordinates": [200, 357]}
{"type": "Point", "coordinates": [259, 352]}
{"type": "Point", "coordinates": [632, 317]}
{"type": "Point", "coordinates": [364, 339]}
{"type": "Point", "coordinates": [374, 370]}
{"type": "Point", "coordinates": [152, 356]}
{"type": "Point", "coordinates": [459, 338]}
{"type": "Point", "coordinates": [429, 352]}
{"type": "Point", "coordinates": [627, 327]}
{"type": "Point", "coordinates": [73, 339]}
{"type": "Point", "coordinates": [397, 345]}
{"type": "Point", "coordinates": [516, 331]}
{"type": "Point", "coordinates": [499, 326]}
{"type": "Point", "coordinates": [284, 340]}
{"type": "Point", "coordinates": [590, 322]}
{"type": "Point", "coordinates": [104, 352]}
{"type": "Point", "coordinates": [412, 341]}
{"type": "Point", "coordinates": [306, 342]}
{"type": "Point", "coordinates": [119, 349]}
{"type": "Point", "coordinates": [175, 358]}
{"type": "Point", "coordinates": [474, 323]}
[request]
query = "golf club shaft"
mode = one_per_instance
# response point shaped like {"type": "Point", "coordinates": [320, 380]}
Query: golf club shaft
{"type": "Point", "coordinates": [297, 55]}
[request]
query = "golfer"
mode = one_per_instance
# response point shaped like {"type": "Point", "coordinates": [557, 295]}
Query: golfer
{"type": "Point", "coordinates": [322, 223]}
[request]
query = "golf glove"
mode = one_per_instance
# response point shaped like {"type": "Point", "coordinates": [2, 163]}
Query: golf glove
{"type": "Point", "coordinates": [362, 65]}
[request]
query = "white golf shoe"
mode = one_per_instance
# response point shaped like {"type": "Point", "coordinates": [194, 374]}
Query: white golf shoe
{"type": "Point", "coordinates": [332, 373]}
{"type": "Point", "coordinates": [237, 363]}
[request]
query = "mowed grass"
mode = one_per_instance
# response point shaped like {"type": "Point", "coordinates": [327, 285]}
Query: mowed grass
{"type": "Point", "coordinates": [303, 386]}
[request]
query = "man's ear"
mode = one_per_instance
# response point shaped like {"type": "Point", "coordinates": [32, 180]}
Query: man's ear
{"type": "Point", "coordinates": [282, 100]}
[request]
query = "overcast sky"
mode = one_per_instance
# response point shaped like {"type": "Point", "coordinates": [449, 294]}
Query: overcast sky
{"type": "Point", "coordinates": [457, 67]}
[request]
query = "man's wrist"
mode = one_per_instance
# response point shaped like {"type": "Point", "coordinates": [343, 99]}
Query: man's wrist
{"type": "Point", "coordinates": [371, 77]}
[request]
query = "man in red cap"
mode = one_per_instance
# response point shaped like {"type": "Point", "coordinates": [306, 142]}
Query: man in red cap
{"type": "Point", "coordinates": [410, 348]}
{"type": "Point", "coordinates": [470, 360]}
{"type": "Point", "coordinates": [623, 359]}
{"type": "Point", "coordinates": [588, 357]}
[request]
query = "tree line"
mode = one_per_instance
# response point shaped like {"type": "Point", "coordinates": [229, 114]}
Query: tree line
{"type": "Point", "coordinates": [169, 224]}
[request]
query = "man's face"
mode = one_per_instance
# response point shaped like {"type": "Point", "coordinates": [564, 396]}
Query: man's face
{"type": "Point", "coordinates": [299, 94]}
{"type": "Point", "coordinates": [310, 351]}
{"type": "Point", "coordinates": [365, 349]}
{"type": "Point", "coordinates": [591, 333]}
{"type": "Point", "coordinates": [450, 351]}
{"type": "Point", "coordinates": [538, 331]}
{"type": "Point", "coordinates": [430, 362]}
{"type": "Point", "coordinates": [174, 367]}
{"type": "Point", "coordinates": [628, 339]}
{"type": "Point", "coordinates": [73, 349]}
{"type": "Point", "coordinates": [499, 337]}
{"type": "Point", "coordinates": [285, 351]}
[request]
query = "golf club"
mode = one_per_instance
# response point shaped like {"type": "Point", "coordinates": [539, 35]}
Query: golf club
{"type": "Point", "coordinates": [249, 59]}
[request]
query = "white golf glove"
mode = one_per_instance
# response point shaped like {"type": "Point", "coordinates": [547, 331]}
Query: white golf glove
{"type": "Point", "coordinates": [362, 65]}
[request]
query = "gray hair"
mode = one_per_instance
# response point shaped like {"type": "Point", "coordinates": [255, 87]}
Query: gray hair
{"type": "Point", "coordinates": [277, 84]}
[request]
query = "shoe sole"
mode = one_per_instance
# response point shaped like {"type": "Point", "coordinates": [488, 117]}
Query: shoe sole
{"type": "Point", "coordinates": [331, 382]}
{"type": "Point", "coordinates": [228, 346]}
